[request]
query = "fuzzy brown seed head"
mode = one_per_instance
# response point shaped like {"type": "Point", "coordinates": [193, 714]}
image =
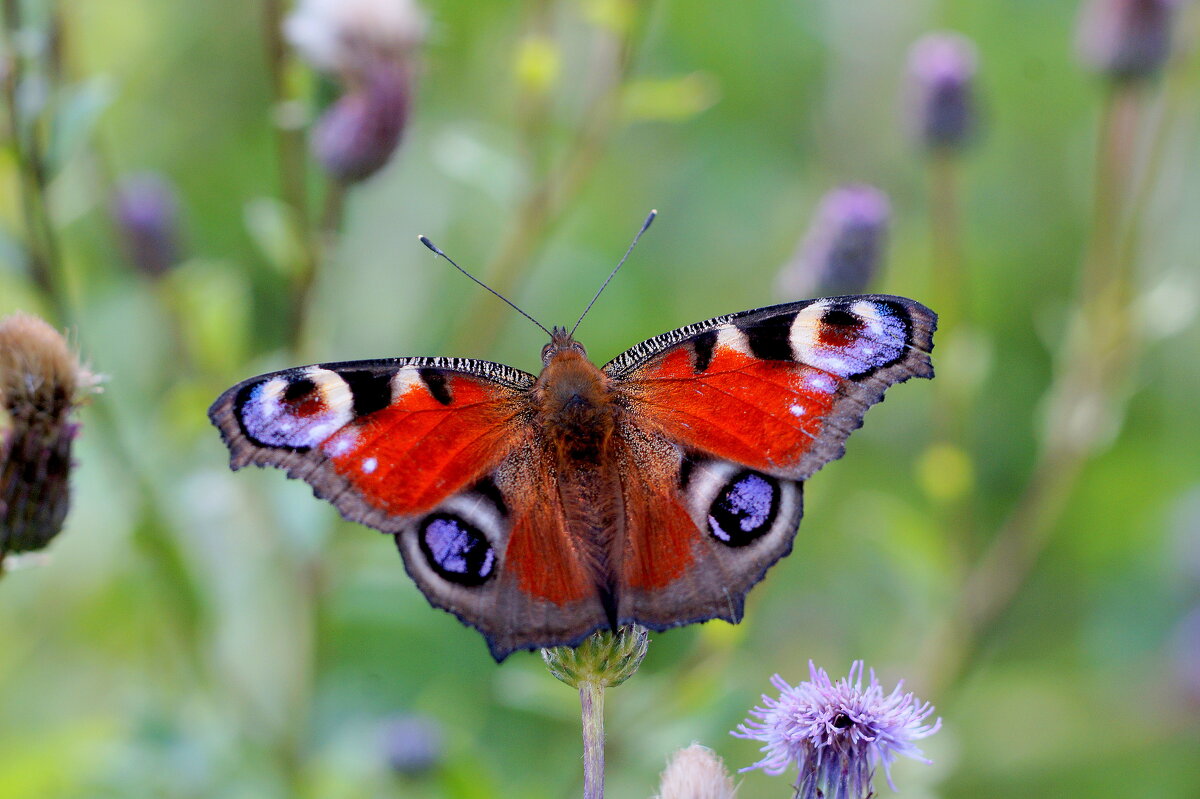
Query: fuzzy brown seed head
{"type": "Point", "coordinates": [38, 371]}
{"type": "Point", "coordinates": [41, 382]}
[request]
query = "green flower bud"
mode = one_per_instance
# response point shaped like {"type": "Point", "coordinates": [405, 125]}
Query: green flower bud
{"type": "Point", "coordinates": [603, 658]}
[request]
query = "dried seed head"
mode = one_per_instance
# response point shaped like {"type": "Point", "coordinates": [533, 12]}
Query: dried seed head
{"type": "Point", "coordinates": [941, 70]}
{"type": "Point", "coordinates": [1126, 39]}
{"type": "Point", "coordinates": [41, 382]}
{"type": "Point", "coordinates": [696, 773]}
{"type": "Point", "coordinates": [843, 249]}
{"type": "Point", "coordinates": [603, 658]}
{"type": "Point", "coordinates": [357, 135]}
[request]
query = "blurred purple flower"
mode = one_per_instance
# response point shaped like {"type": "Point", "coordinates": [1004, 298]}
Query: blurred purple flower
{"type": "Point", "coordinates": [370, 45]}
{"type": "Point", "coordinates": [843, 248]}
{"type": "Point", "coordinates": [146, 211]}
{"type": "Point", "coordinates": [357, 135]}
{"type": "Point", "coordinates": [1126, 39]}
{"type": "Point", "coordinates": [1185, 657]}
{"type": "Point", "coordinates": [837, 732]}
{"type": "Point", "coordinates": [412, 745]}
{"type": "Point", "coordinates": [941, 69]}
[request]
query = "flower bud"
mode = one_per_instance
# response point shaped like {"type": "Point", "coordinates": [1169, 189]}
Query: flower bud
{"type": "Point", "coordinates": [603, 658]}
{"type": "Point", "coordinates": [696, 773]}
{"type": "Point", "coordinates": [146, 211]}
{"type": "Point", "coordinates": [41, 383]}
{"type": "Point", "coordinates": [941, 69]}
{"type": "Point", "coordinates": [412, 745]}
{"type": "Point", "coordinates": [1126, 39]}
{"type": "Point", "coordinates": [358, 134]}
{"type": "Point", "coordinates": [843, 248]}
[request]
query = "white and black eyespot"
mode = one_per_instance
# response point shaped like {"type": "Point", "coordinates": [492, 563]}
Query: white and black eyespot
{"type": "Point", "coordinates": [848, 338]}
{"type": "Point", "coordinates": [455, 549]}
{"type": "Point", "coordinates": [745, 509]}
{"type": "Point", "coordinates": [738, 506]}
{"type": "Point", "coordinates": [460, 540]}
{"type": "Point", "coordinates": [295, 410]}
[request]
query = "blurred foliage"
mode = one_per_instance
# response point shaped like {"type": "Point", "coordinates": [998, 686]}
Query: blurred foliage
{"type": "Point", "coordinates": [196, 633]}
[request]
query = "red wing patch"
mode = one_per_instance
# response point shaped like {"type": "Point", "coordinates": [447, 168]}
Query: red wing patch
{"type": "Point", "coordinates": [764, 414]}
{"type": "Point", "coordinates": [778, 389]}
{"type": "Point", "coordinates": [379, 439]}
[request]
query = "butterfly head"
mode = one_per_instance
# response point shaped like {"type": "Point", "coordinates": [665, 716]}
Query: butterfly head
{"type": "Point", "coordinates": [561, 341]}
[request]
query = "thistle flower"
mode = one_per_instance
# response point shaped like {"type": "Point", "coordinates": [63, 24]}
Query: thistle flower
{"type": "Point", "coordinates": [941, 69]}
{"type": "Point", "coordinates": [146, 211]}
{"type": "Point", "coordinates": [370, 45]}
{"type": "Point", "coordinates": [412, 745]}
{"type": "Point", "coordinates": [696, 773]}
{"type": "Point", "coordinates": [844, 246]}
{"type": "Point", "coordinates": [41, 384]}
{"type": "Point", "coordinates": [837, 732]}
{"type": "Point", "coordinates": [1126, 39]}
{"type": "Point", "coordinates": [357, 135]}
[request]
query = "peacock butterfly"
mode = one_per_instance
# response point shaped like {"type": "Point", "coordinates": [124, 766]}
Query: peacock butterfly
{"type": "Point", "coordinates": [537, 509]}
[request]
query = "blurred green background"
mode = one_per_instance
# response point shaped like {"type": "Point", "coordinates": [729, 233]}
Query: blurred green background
{"type": "Point", "coordinates": [195, 633]}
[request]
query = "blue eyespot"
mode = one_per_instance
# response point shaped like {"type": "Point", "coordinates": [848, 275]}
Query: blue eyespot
{"type": "Point", "coordinates": [745, 509]}
{"type": "Point", "coordinates": [456, 549]}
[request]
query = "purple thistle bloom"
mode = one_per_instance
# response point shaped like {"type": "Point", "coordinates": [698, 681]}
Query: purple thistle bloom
{"type": "Point", "coordinates": [146, 210]}
{"type": "Point", "coordinates": [941, 69]}
{"type": "Point", "coordinates": [837, 732]}
{"type": "Point", "coordinates": [843, 249]}
{"type": "Point", "coordinates": [1127, 39]}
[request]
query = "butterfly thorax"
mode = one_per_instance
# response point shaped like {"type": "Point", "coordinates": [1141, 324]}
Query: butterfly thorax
{"type": "Point", "coordinates": [574, 404]}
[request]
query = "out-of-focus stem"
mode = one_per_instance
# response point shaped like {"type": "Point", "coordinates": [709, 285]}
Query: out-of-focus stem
{"type": "Point", "coordinates": [949, 278]}
{"type": "Point", "coordinates": [293, 173]}
{"type": "Point", "coordinates": [543, 204]}
{"type": "Point", "coordinates": [45, 267]}
{"type": "Point", "coordinates": [591, 700]}
{"type": "Point", "coordinates": [1098, 351]}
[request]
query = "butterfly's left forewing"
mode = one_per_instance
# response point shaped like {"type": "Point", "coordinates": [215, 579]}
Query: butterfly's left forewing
{"type": "Point", "coordinates": [441, 453]}
{"type": "Point", "coordinates": [752, 404]}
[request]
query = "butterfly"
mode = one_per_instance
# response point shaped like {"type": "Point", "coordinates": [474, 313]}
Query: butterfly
{"type": "Point", "coordinates": [657, 489]}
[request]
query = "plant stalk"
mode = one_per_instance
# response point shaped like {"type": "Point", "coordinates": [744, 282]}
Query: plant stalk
{"type": "Point", "coordinates": [591, 700]}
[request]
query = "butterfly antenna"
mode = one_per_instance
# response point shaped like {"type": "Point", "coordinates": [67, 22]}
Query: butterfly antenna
{"type": "Point", "coordinates": [612, 274]}
{"type": "Point", "coordinates": [437, 251]}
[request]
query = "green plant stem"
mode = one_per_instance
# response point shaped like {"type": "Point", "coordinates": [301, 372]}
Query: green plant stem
{"type": "Point", "coordinates": [542, 206]}
{"type": "Point", "coordinates": [1098, 351]}
{"type": "Point", "coordinates": [949, 275]}
{"type": "Point", "coordinates": [591, 700]}
{"type": "Point", "coordinates": [293, 174]}
{"type": "Point", "coordinates": [42, 251]}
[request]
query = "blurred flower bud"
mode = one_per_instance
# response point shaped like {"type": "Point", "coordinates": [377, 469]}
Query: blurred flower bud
{"type": "Point", "coordinates": [41, 383]}
{"type": "Point", "coordinates": [603, 658]}
{"type": "Point", "coordinates": [843, 248]}
{"type": "Point", "coordinates": [358, 134]}
{"type": "Point", "coordinates": [1126, 39]}
{"type": "Point", "coordinates": [696, 773]}
{"type": "Point", "coordinates": [412, 745]}
{"type": "Point", "coordinates": [941, 69]}
{"type": "Point", "coordinates": [146, 211]}
{"type": "Point", "coordinates": [349, 36]}
{"type": "Point", "coordinates": [370, 44]}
